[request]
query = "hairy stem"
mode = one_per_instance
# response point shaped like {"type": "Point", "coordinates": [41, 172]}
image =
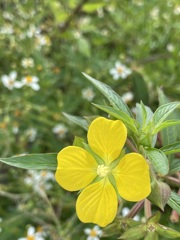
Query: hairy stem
{"type": "Point", "coordinates": [135, 209]}
{"type": "Point", "coordinates": [147, 208]}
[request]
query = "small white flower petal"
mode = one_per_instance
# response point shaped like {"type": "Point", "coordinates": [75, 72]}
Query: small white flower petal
{"type": "Point", "coordinates": [31, 231]}
{"type": "Point", "coordinates": [125, 211]}
{"type": "Point", "coordinates": [18, 84]}
{"type": "Point", "coordinates": [87, 231]}
{"type": "Point", "coordinates": [35, 79]}
{"type": "Point", "coordinates": [4, 79]}
{"type": "Point", "coordinates": [35, 86]}
{"type": "Point", "coordinates": [118, 64]}
{"type": "Point", "coordinates": [13, 75]}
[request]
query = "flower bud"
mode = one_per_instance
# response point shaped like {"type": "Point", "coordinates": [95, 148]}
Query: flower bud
{"type": "Point", "coordinates": [160, 193]}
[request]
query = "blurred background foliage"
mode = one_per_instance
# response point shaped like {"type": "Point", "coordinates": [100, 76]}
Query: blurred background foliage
{"type": "Point", "coordinates": [55, 41]}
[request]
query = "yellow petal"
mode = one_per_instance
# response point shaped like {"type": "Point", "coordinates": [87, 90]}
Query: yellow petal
{"type": "Point", "coordinates": [132, 177]}
{"type": "Point", "coordinates": [107, 138]}
{"type": "Point", "coordinates": [97, 203]}
{"type": "Point", "coordinates": [76, 168]}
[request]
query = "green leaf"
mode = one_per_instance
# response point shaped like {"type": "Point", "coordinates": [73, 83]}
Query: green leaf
{"type": "Point", "coordinates": [130, 122]}
{"type": "Point", "coordinates": [171, 148]}
{"type": "Point", "coordinates": [84, 46]}
{"type": "Point", "coordinates": [169, 134]}
{"type": "Point", "coordinates": [167, 232]}
{"type": "Point", "coordinates": [174, 202]}
{"type": "Point", "coordinates": [33, 161]}
{"type": "Point", "coordinates": [158, 159]}
{"type": "Point", "coordinates": [151, 236]}
{"type": "Point", "coordinates": [110, 94]}
{"type": "Point", "coordinates": [163, 112]}
{"type": "Point", "coordinates": [165, 125]}
{"type": "Point", "coordinates": [77, 120]}
{"type": "Point", "coordinates": [79, 142]}
{"type": "Point", "coordinates": [92, 7]}
{"type": "Point", "coordinates": [134, 233]}
{"type": "Point", "coordinates": [143, 114]}
{"type": "Point", "coordinates": [139, 88]}
{"type": "Point", "coordinates": [154, 218]}
{"type": "Point", "coordinates": [174, 166]}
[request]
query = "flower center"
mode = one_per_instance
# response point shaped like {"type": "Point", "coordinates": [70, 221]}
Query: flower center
{"type": "Point", "coordinates": [43, 173]}
{"type": "Point", "coordinates": [29, 79]}
{"type": "Point", "coordinates": [120, 70]}
{"type": "Point", "coordinates": [103, 170]}
{"type": "Point", "coordinates": [93, 233]}
{"type": "Point", "coordinates": [30, 238]}
{"type": "Point", "coordinates": [11, 82]}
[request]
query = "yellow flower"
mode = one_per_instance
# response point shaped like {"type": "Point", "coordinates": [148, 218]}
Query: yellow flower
{"type": "Point", "coordinates": [101, 174]}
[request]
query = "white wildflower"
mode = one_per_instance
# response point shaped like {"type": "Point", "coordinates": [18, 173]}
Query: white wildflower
{"type": "Point", "coordinates": [31, 81]}
{"type": "Point", "coordinates": [32, 31]}
{"type": "Point", "coordinates": [32, 234]}
{"type": "Point", "coordinates": [27, 62]}
{"type": "Point", "coordinates": [120, 71]}
{"type": "Point", "coordinates": [60, 130]}
{"type": "Point", "coordinates": [154, 13]}
{"type": "Point", "coordinates": [94, 233]}
{"type": "Point", "coordinates": [10, 81]}
{"type": "Point", "coordinates": [177, 10]}
{"type": "Point", "coordinates": [8, 15]}
{"type": "Point", "coordinates": [31, 133]}
{"type": "Point", "coordinates": [88, 94]}
{"type": "Point", "coordinates": [15, 129]}
{"type": "Point", "coordinates": [7, 29]}
{"type": "Point", "coordinates": [127, 97]}
{"type": "Point", "coordinates": [170, 47]}
{"type": "Point", "coordinates": [42, 41]}
{"type": "Point", "coordinates": [39, 179]}
{"type": "Point", "coordinates": [77, 34]}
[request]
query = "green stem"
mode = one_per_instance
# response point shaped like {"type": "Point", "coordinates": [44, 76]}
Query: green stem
{"type": "Point", "coordinates": [131, 146]}
{"type": "Point", "coordinates": [54, 217]}
{"type": "Point", "coordinates": [173, 180]}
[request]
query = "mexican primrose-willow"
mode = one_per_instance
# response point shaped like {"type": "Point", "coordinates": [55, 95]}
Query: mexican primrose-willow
{"type": "Point", "coordinates": [101, 183]}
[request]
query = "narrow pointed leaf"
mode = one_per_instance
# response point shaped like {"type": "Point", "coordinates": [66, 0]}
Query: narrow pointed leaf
{"type": "Point", "coordinates": [143, 114]}
{"type": "Point", "coordinates": [174, 166]}
{"type": "Point", "coordinates": [110, 94]}
{"type": "Point", "coordinates": [169, 134]}
{"type": "Point", "coordinates": [77, 120]}
{"type": "Point", "coordinates": [171, 148]}
{"type": "Point", "coordinates": [134, 233]}
{"type": "Point", "coordinates": [151, 236]}
{"type": "Point", "coordinates": [167, 232]}
{"type": "Point", "coordinates": [33, 161]}
{"type": "Point", "coordinates": [155, 218]}
{"type": "Point", "coordinates": [163, 112]}
{"type": "Point", "coordinates": [165, 125]}
{"type": "Point", "coordinates": [139, 88]}
{"type": "Point", "coordinates": [174, 202]}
